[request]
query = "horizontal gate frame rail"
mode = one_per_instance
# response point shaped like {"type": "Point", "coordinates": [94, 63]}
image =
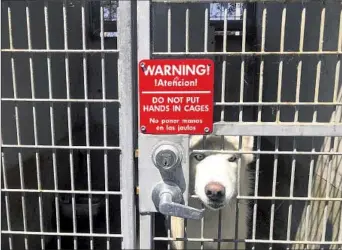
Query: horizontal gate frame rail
{"type": "Point", "coordinates": [102, 235]}
{"type": "Point", "coordinates": [170, 54]}
{"type": "Point", "coordinates": [50, 51]}
{"type": "Point", "coordinates": [247, 53]}
{"type": "Point", "coordinates": [250, 241]}
{"type": "Point", "coordinates": [239, 1]}
{"type": "Point", "coordinates": [278, 129]}
{"type": "Point", "coordinates": [284, 198]}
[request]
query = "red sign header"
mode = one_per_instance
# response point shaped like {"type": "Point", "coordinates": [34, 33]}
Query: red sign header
{"type": "Point", "coordinates": [176, 96]}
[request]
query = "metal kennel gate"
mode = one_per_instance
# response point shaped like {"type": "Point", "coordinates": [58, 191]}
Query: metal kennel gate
{"type": "Point", "coordinates": [300, 143]}
{"type": "Point", "coordinates": [59, 76]}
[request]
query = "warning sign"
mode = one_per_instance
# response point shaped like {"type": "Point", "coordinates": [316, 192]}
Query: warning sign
{"type": "Point", "coordinates": [176, 96]}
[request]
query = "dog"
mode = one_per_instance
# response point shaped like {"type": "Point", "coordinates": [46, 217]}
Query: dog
{"type": "Point", "coordinates": [214, 180]}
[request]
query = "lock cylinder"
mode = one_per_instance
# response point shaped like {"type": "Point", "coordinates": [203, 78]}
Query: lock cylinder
{"type": "Point", "coordinates": [166, 157]}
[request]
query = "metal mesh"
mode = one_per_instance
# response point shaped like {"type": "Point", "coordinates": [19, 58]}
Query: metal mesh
{"type": "Point", "coordinates": [65, 116]}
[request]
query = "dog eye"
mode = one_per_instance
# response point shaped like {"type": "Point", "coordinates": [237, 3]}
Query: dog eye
{"type": "Point", "coordinates": [199, 157]}
{"type": "Point", "coordinates": [232, 158]}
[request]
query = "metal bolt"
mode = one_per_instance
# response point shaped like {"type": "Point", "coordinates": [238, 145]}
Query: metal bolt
{"type": "Point", "coordinates": [143, 128]}
{"type": "Point", "coordinates": [142, 65]}
{"type": "Point", "coordinates": [206, 130]}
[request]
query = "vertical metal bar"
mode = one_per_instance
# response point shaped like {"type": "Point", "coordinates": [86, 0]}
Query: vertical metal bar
{"type": "Point", "coordinates": [168, 220]}
{"type": "Point", "coordinates": [256, 188]}
{"type": "Point", "coordinates": [237, 204]}
{"type": "Point", "coordinates": [7, 203]}
{"type": "Point", "coordinates": [280, 78]}
{"type": "Point", "coordinates": [317, 81]}
{"type": "Point", "coordinates": [242, 76]}
{"type": "Point", "coordinates": [274, 186]}
{"type": "Point", "coordinates": [321, 30]}
{"type": "Point", "coordinates": [186, 233]}
{"type": "Point", "coordinates": [299, 77]}
{"type": "Point", "coordinates": [319, 64]}
{"type": "Point", "coordinates": [71, 153]}
{"type": "Point", "coordinates": [16, 110]}
{"type": "Point", "coordinates": [244, 27]}
{"type": "Point", "coordinates": [104, 119]}
{"type": "Point", "coordinates": [335, 95]}
{"type": "Point", "coordinates": [293, 171]}
{"type": "Point", "coordinates": [146, 225]}
{"type": "Point", "coordinates": [187, 21]}
{"type": "Point", "coordinates": [299, 66]}
{"type": "Point", "coordinates": [280, 72]}
{"type": "Point", "coordinates": [169, 24]}
{"type": "Point", "coordinates": [144, 52]}
{"type": "Point", "coordinates": [225, 29]}
{"type": "Point", "coordinates": [339, 44]}
{"type": "Point", "coordinates": [282, 34]}
{"type": "Point", "coordinates": [308, 207]}
{"type": "Point", "coordinates": [336, 145]}
{"type": "Point", "coordinates": [337, 76]}
{"type": "Point", "coordinates": [263, 34]}
{"type": "Point", "coordinates": [327, 189]}
{"type": "Point", "coordinates": [261, 76]}
{"type": "Point", "coordinates": [52, 123]}
{"type": "Point", "coordinates": [202, 230]}
{"type": "Point", "coordinates": [223, 89]}
{"type": "Point", "coordinates": [206, 26]}
{"type": "Point", "coordinates": [202, 205]}
{"type": "Point", "coordinates": [126, 69]}
{"type": "Point", "coordinates": [219, 230]}
{"type": "Point", "coordinates": [224, 64]}
{"type": "Point", "coordinates": [86, 114]}
{"type": "Point", "coordinates": [35, 129]}
{"type": "Point", "coordinates": [302, 29]}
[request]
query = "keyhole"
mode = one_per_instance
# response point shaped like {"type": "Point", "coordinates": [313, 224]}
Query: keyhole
{"type": "Point", "coordinates": [165, 162]}
{"type": "Point", "coordinates": [165, 159]}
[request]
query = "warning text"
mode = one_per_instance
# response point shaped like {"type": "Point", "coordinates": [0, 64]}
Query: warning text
{"type": "Point", "coordinates": [176, 104]}
{"type": "Point", "coordinates": [176, 96]}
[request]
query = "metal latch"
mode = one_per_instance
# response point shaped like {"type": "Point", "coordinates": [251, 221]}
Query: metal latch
{"type": "Point", "coordinates": [167, 197]}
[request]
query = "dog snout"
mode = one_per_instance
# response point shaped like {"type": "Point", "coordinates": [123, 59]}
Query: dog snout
{"type": "Point", "coordinates": [215, 191]}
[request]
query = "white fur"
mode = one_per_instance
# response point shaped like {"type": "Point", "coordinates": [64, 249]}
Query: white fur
{"type": "Point", "coordinates": [217, 168]}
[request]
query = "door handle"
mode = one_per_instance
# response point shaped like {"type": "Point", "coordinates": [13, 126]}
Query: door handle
{"type": "Point", "coordinates": [167, 198]}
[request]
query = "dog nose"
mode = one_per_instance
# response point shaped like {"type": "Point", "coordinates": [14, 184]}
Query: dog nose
{"type": "Point", "coordinates": [214, 191]}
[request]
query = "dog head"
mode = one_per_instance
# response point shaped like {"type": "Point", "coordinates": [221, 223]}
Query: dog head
{"type": "Point", "coordinates": [216, 174]}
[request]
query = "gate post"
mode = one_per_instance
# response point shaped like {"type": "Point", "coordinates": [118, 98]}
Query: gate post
{"type": "Point", "coordinates": [126, 72]}
{"type": "Point", "coordinates": [144, 51]}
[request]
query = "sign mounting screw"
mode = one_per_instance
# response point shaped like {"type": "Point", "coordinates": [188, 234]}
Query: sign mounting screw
{"type": "Point", "coordinates": [143, 129]}
{"type": "Point", "coordinates": [206, 130]}
{"type": "Point", "coordinates": [142, 65]}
